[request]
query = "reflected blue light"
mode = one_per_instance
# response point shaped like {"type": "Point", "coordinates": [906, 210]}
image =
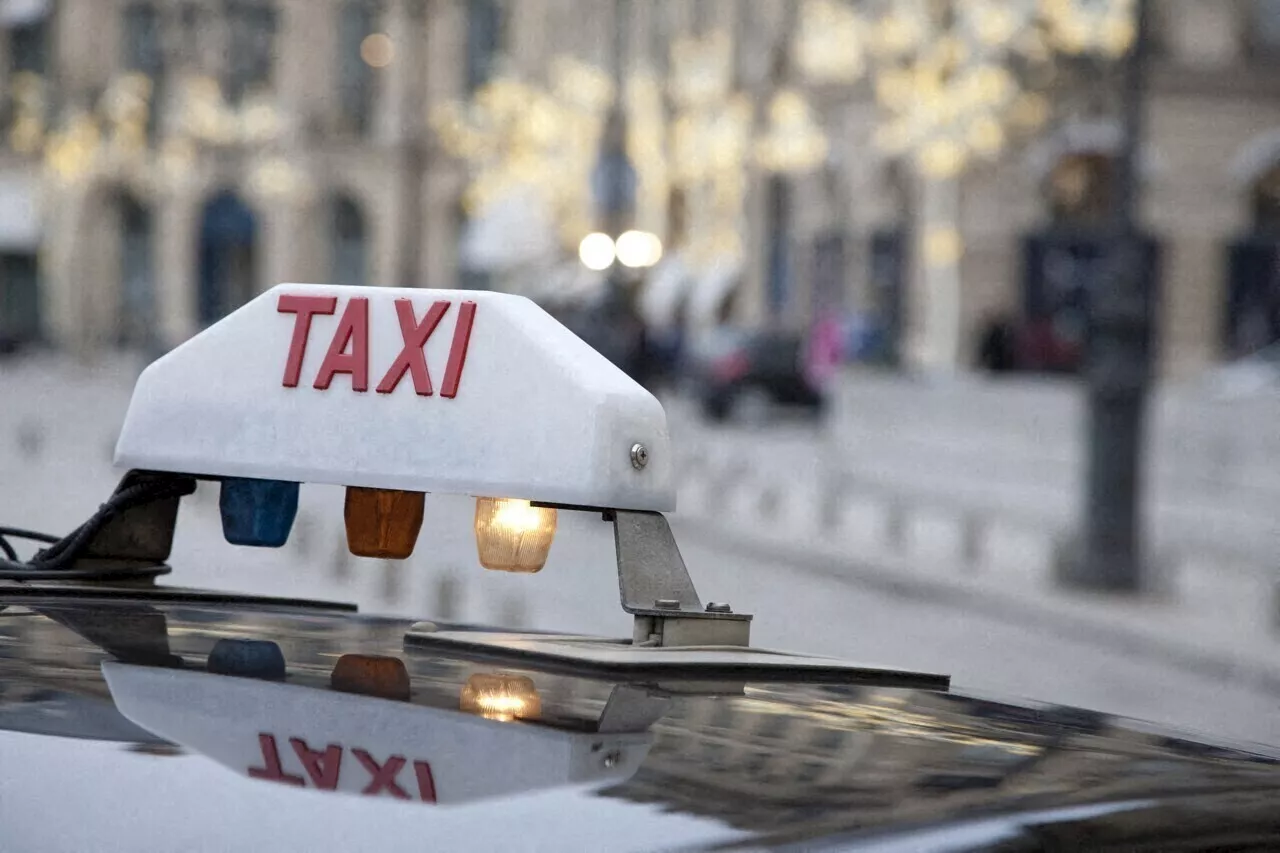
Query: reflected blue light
{"type": "Point", "coordinates": [260, 659]}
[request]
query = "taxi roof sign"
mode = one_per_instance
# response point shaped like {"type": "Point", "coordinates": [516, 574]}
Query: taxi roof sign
{"type": "Point", "coordinates": [459, 392]}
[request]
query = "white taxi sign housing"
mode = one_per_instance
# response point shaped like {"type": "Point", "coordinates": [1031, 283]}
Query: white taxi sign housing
{"type": "Point", "coordinates": [459, 392]}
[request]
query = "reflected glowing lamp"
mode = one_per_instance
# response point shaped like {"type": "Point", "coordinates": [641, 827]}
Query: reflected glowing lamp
{"type": "Point", "coordinates": [513, 535]}
{"type": "Point", "coordinates": [500, 696]}
{"type": "Point", "coordinates": [371, 675]}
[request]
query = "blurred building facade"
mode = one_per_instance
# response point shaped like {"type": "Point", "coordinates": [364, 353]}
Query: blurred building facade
{"type": "Point", "coordinates": [353, 186]}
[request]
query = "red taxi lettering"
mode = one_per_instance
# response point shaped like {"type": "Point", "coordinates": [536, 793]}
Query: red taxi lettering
{"type": "Point", "coordinates": [382, 775]}
{"type": "Point", "coordinates": [411, 357]}
{"type": "Point", "coordinates": [322, 767]}
{"type": "Point", "coordinates": [304, 307]}
{"type": "Point", "coordinates": [348, 351]}
{"type": "Point", "coordinates": [458, 350]}
{"type": "Point", "coordinates": [426, 782]}
{"type": "Point", "coordinates": [353, 329]}
{"type": "Point", "coordinates": [271, 769]}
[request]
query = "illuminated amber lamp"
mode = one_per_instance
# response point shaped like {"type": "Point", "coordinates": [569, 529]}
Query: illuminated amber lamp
{"type": "Point", "coordinates": [513, 535]}
{"type": "Point", "coordinates": [501, 696]}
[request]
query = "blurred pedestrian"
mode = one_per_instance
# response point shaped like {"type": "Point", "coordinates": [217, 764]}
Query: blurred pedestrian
{"type": "Point", "coordinates": [997, 347]}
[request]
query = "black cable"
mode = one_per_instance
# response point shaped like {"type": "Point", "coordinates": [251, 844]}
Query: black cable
{"type": "Point", "coordinates": [53, 563]}
{"type": "Point", "coordinates": [19, 533]}
{"type": "Point", "coordinates": [130, 573]}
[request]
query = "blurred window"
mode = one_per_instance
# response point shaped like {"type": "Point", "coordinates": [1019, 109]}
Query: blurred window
{"type": "Point", "coordinates": [349, 263]}
{"type": "Point", "coordinates": [193, 30]}
{"type": "Point", "coordinates": [19, 298]}
{"type": "Point", "coordinates": [484, 40]}
{"type": "Point", "coordinates": [29, 46]}
{"type": "Point", "coordinates": [143, 50]}
{"type": "Point", "coordinates": [142, 46]}
{"type": "Point", "coordinates": [251, 47]}
{"type": "Point", "coordinates": [1264, 27]}
{"type": "Point", "coordinates": [359, 20]}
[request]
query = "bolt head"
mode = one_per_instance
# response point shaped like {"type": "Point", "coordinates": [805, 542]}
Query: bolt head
{"type": "Point", "coordinates": [639, 456]}
{"type": "Point", "coordinates": [719, 607]}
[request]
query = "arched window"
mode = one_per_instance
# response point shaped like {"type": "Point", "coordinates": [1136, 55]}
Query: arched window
{"type": "Point", "coordinates": [136, 306]}
{"type": "Point", "coordinates": [349, 261]}
{"type": "Point", "coordinates": [228, 274]}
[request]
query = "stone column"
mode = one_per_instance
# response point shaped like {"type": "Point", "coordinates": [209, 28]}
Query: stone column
{"type": "Point", "coordinates": [445, 63]}
{"type": "Point", "coordinates": [1193, 227]}
{"type": "Point", "coordinates": [933, 291]}
{"type": "Point", "coordinates": [177, 240]}
{"type": "Point", "coordinates": [306, 75]}
{"type": "Point", "coordinates": [393, 121]}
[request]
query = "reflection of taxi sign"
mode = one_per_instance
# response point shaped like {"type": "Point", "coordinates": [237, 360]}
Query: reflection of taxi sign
{"type": "Point", "coordinates": [347, 743]}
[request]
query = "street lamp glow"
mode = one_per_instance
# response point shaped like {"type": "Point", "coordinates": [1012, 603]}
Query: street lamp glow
{"type": "Point", "coordinates": [596, 251]}
{"type": "Point", "coordinates": [377, 50]}
{"type": "Point", "coordinates": [638, 249]}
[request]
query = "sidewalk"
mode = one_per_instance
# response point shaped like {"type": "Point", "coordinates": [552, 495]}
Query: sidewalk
{"type": "Point", "coordinates": [1211, 617]}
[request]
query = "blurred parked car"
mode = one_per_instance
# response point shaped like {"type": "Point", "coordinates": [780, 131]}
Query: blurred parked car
{"type": "Point", "coordinates": [740, 375]}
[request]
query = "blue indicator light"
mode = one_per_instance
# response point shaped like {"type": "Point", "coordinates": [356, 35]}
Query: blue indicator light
{"type": "Point", "coordinates": [261, 659]}
{"type": "Point", "coordinates": [257, 512]}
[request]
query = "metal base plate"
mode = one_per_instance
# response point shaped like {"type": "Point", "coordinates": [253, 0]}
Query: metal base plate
{"type": "Point", "coordinates": [619, 661]}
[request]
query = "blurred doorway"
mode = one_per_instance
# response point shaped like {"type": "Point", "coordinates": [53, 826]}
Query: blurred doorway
{"type": "Point", "coordinates": [135, 309]}
{"type": "Point", "coordinates": [19, 300]}
{"type": "Point", "coordinates": [1252, 318]}
{"type": "Point", "coordinates": [228, 257]}
{"type": "Point", "coordinates": [887, 271]}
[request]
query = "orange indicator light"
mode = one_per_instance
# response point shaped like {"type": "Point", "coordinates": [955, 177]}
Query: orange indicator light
{"type": "Point", "coordinates": [382, 522]}
{"type": "Point", "coordinates": [371, 675]}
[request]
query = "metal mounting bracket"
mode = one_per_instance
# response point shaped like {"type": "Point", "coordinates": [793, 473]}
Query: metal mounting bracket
{"type": "Point", "coordinates": [656, 589]}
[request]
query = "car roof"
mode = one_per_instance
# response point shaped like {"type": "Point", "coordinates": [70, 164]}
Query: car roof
{"type": "Point", "coordinates": [736, 762]}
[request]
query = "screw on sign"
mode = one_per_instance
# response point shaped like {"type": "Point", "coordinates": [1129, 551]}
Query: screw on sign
{"type": "Point", "coordinates": [353, 333]}
{"type": "Point", "coordinates": [323, 769]}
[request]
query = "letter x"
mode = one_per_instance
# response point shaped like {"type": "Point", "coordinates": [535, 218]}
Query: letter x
{"type": "Point", "coordinates": [382, 775]}
{"type": "Point", "coordinates": [411, 357]}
